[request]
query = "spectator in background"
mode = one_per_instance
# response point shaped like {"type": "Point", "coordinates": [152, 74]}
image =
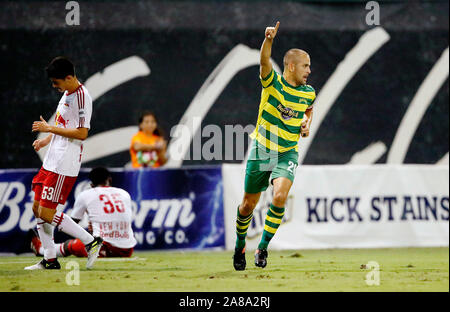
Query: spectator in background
{"type": "Point", "coordinates": [148, 147]}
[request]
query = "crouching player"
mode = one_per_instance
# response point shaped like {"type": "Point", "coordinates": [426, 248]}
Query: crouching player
{"type": "Point", "coordinates": [110, 215]}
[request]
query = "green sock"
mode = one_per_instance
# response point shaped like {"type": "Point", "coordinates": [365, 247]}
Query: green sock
{"type": "Point", "coordinates": [273, 221]}
{"type": "Point", "coordinates": [242, 224]}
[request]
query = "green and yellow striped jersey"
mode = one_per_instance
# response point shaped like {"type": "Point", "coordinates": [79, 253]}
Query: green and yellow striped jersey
{"type": "Point", "coordinates": [281, 112]}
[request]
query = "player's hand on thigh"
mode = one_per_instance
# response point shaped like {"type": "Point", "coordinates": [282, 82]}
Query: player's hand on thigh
{"type": "Point", "coordinates": [305, 126]}
{"type": "Point", "coordinates": [305, 132]}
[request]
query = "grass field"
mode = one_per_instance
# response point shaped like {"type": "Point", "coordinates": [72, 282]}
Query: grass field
{"type": "Point", "coordinates": [401, 269]}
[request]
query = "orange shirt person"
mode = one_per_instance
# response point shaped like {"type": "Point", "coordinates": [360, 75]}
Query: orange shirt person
{"type": "Point", "coordinates": [148, 147]}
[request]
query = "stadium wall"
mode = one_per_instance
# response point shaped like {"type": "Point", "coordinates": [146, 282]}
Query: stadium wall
{"type": "Point", "coordinates": [364, 206]}
{"type": "Point", "coordinates": [382, 90]}
{"type": "Point", "coordinates": [172, 208]}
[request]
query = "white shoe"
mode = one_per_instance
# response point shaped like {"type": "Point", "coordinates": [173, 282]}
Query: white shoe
{"type": "Point", "coordinates": [37, 266]}
{"type": "Point", "coordinates": [44, 265]}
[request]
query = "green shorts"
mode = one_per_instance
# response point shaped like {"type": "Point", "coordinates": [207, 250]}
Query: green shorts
{"type": "Point", "coordinates": [263, 166]}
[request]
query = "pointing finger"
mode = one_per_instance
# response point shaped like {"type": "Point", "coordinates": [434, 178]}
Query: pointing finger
{"type": "Point", "coordinates": [277, 25]}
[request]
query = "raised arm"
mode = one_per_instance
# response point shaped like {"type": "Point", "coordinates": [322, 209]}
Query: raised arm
{"type": "Point", "coordinates": [266, 51]}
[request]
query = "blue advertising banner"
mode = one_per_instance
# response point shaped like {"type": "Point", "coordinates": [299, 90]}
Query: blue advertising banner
{"type": "Point", "coordinates": [173, 208]}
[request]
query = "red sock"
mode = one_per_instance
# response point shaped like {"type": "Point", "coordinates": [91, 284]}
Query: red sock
{"type": "Point", "coordinates": [75, 247]}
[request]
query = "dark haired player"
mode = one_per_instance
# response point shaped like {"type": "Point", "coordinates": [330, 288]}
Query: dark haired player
{"type": "Point", "coordinates": [110, 215]}
{"type": "Point", "coordinates": [61, 164]}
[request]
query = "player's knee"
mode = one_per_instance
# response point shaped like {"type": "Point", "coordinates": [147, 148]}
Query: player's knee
{"type": "Point", "coordinates": [46, 218]}
{"type": "Point", "coordinates": [279, 198]}
{"type": "Point", "coordinates": [248, 205]}
{"type": "Point", "coordinates": [246, 208]}
{"type": "Point", "coordinates": [46, 214]}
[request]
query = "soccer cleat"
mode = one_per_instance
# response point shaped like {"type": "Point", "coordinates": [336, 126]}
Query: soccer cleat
{"type": "Point", "coordinates": [35, 242]}
{"type": "Point", "coordinates": [239, 262]}
{"type": "Point", "coordinates": [261, 258]}
{"type": "Point", "coordinates": [45, 265]}
{"type": "Point", "coordinates": [93, 249]}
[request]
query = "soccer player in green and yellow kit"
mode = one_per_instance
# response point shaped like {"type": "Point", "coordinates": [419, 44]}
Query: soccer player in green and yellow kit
{"type": "Point", "coordinates": [285, 113]}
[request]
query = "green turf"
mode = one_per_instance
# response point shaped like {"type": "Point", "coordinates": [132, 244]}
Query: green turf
{"type": "Point", "coordinates": [401, 269]}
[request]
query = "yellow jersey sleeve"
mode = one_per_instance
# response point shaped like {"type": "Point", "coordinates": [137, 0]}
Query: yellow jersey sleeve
{"type": "Point", "coordinates": [268, 81]}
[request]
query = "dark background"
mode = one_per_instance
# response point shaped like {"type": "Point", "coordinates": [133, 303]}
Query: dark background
{"type": "Point", "coordinates": [183, 41]}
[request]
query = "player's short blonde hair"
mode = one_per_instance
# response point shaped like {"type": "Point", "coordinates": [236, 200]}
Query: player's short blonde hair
{"type": "Point", "coordinates": [293, 56]}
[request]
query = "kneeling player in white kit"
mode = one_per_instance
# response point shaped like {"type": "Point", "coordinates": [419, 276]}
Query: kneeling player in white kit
{"type": "Point", "coordinates": [110, 215]}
